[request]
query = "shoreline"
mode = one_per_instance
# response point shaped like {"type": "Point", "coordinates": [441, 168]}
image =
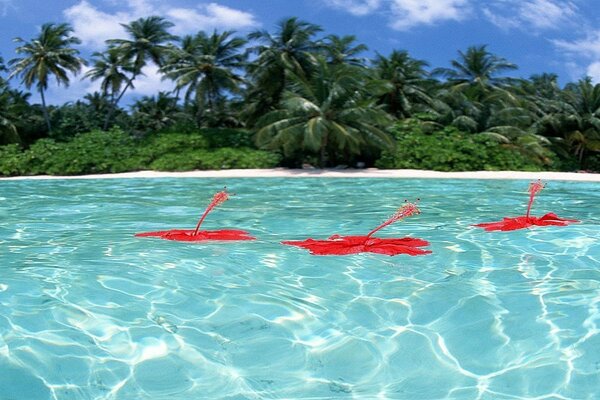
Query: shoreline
{"type": "Point", "coordinates": [330, 173]}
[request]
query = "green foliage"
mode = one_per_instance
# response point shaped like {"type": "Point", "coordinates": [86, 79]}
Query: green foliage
{"type": "Point", "coordinates": [223, 137]}
{"type": "Point", "coordinates": [114, 151]}
{"type": "Point", "coordinates": [224, 158]}
{"type": "Point", "coordinates": [208, 66]}
{"type": "Point", "coordinates": [184, 122]}
{"type": "Point", "coordinates": [451, 150]}
{"type": "Point", "coordinates": [331, 112]}
{"type": "Point", "coordinates": [69, 120]}
{"type": "Point", "coordinates": [30, 124]}
{"type": "Point", "coordinates": [154, 114]}
{"type": "Point", "coordinates": [48, 54]}
{"type": "Point", "coordinates": [593, 163]}
{"type": "Point", "coordinates": [90, 153]}
{"type": "Point", "coordinates": [157, 146]}
{"type": "Point", "coordinates": [40, 157]}
{"type": "Point", "coordinates": [11, 160]}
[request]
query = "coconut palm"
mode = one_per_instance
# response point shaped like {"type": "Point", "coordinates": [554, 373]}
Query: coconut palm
{"type": "Point", "coordinates": [97, 101]}
{"type": "Point", "coordinates": [479, 100]}
{"type": "Point", "coordinates": [8, 129]}
{"type": "Point", "coordinates": [178, 55]}
{"type": "Point", "coordinates": [154, 113]}
{"type": "Point", "coordinates": [341, 50]}
{"type": "Point", "coordinates": [540, 85]}
{"type": "Point", "coordinates": [114, 70]}
{"type": "Point", "coordinates": [2, 69]}
{"type": "Point", "coordinates": [581, 123]}
{"type": "Point", "coordinates": [149, 42]}
{"type": "Point", "coordinates": [476, 72]}
{"type": "Point", "coordinates": [206, 67]}
{"type": "Point", "coordinates": [544, 99]}
{"type": "Point", "coordinates": [408, 84]}
{"type": "Point", "coordinates": [290, 48]}
{"type": "Point", "coordinates": [327, 112]}
{"type": "Point", "coordinates": [48, 54]}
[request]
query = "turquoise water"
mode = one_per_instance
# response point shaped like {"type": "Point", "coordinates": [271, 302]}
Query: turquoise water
{"type": "Point", "coordinates": [87, 311]}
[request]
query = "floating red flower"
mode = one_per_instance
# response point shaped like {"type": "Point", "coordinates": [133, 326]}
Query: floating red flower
{"type": "Point", "coordinates": [196, 235]}
{"type": "Point", "coordinates": [525, 221]}
{"type": "Point", "coordinates": [341, 245]}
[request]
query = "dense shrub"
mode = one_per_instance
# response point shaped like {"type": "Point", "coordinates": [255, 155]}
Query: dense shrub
{"type": "Point", "coordinates": [11, 160]}
{"type": "Point", "coordinates": [225, 158]}
{"type": "Point", "coordinates": [156, 146]}
{"type": "Point", "coordinates": [452, 150]}
{"type": "Point", "coordinates": [592, 163]}
{"type": "Point", "coordinates": [88, 153]}
{"type": "Point", "coordinates": [72, 119]}
{"type": "Point", "coordinates": [95, 152]}
{"type": "Point", "coordinates": [40, 157]}
{"type": "Point", "coordinates": [114, 151]}
{"type": "Point", "coordinates": [226, 137]}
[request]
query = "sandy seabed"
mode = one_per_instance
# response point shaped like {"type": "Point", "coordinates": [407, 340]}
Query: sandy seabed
{"type": "Point", "coordinates": [334, 173]}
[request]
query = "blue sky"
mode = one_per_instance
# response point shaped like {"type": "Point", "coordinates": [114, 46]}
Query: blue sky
{"type": "Point", "coordinates": [559, 36]}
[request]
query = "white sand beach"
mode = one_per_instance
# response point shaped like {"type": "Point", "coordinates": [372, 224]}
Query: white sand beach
{"type": "Point", "coordinates": [334, 173]}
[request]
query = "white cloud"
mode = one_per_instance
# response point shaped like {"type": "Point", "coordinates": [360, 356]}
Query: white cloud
{"type": "Point", "coordinates": [593, 70]}
{"type": "Point", "coordinates": [409, 13]}
{"type": "Point", "coordinates": [208, 17]}
{"type": "Point", "coordinates": [4, 6]}
{"type": "Point", "coordinates": [586, 51]}
{"type": "Point", "coordinates": [140, 7]}
{"type": "Point", "coordinates": [588, 46]}
{"type": "Point", "coordinates": [93, 26]}
{"type": "Point", "coordinates": [530, 15]}
{"type": "Point", "coordinates": [405, 14]}
{"type": "Point", "coordinates": [547, 14]}
{"type": "Point", "coordinates": [356, 7]}
{"type": "Point", "coordinates": [150, 83]}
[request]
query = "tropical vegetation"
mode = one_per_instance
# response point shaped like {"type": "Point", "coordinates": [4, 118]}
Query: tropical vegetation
{"type": "Point", "coordinates": [292, 97]}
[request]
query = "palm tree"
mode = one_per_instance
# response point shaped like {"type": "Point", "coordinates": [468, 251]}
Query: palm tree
{"type": "Point", "coordinates": [341, 50]}
{"type": "Point", "coordinates": [207, 66]}
{"type": "Point", "coordinates": [177, 55]}
{"type": "Point", "coordinates": [97, 101]}
{"type": "Point", "coordinates": [49, 53]}
{"type": "Point", "coordinates": [541, 85]}
{"type": "Point", "coordinates": [327, 112]}
{"type": "Point", "coordinates": [8, 116]}
{"type": "Point", "coordinates": [149, 42]}
{"type": "Point", "coordinates": [291, 48]}
{"type": "Point", "coordinates": [478, 100]}
{"type": "Point", "coordinates": [154, 113]}
{"type": "Point", "coordinates": [581, 124]}
{"type": "Point", "coordinates": [2, 69]}
{"type": "Point", "coordinates": [114, 70]}
{"type": "Point", "coordinates": [408, 83]}
{"type": "Point", "coordinates": [476, 71]}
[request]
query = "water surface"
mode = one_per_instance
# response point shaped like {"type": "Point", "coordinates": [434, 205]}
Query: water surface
{"type": "Point", "coordinates": [87, 311]}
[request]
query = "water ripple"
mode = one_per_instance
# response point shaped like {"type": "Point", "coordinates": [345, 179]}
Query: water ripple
{"type": "Point", "coordinates": [87, 311]}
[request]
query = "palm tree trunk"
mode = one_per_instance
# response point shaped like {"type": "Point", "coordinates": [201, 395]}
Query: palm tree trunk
{"type": "Point", "coordinates": [45, 111]}
{"type": "Point", "coordinates": [113, 105]}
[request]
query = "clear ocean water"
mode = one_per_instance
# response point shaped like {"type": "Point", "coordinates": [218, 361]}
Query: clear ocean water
{"type": "Point", "coordinates": [87, 311]}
